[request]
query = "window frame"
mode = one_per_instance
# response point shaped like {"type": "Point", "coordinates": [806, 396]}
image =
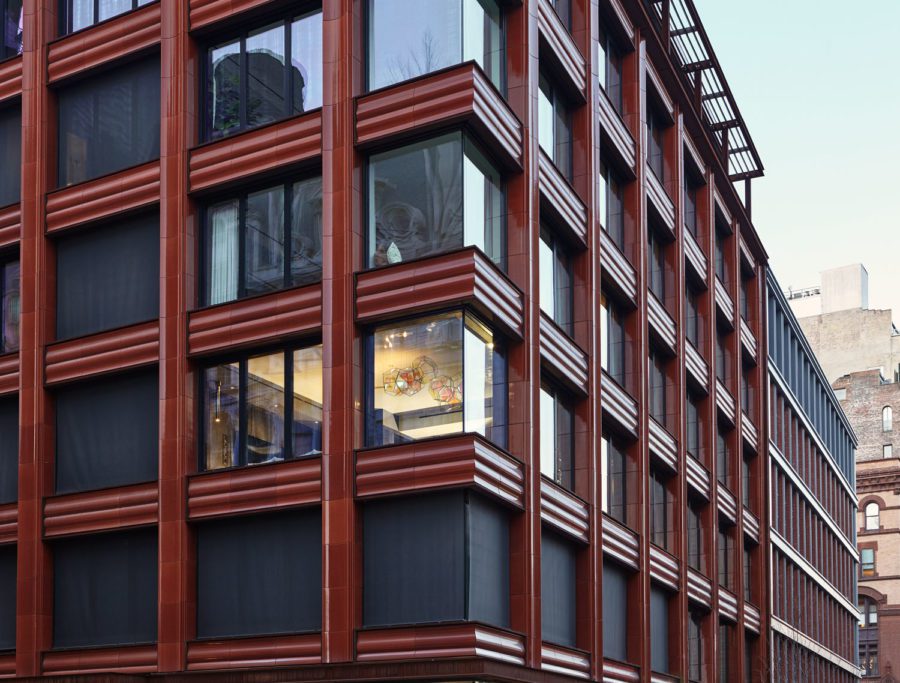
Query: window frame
{"type": "Point", "coordinates": [563, 277]}
{"type": "Point", "coordinates": [887, 419]}
{"type": "Point", "coordinates": [660, 510]}
{"type": "Point", "coordinates": [562, 409]}
{"type": "Point", "coordinates": [872, 521]}
{"type": "Point", "coordinates": [66, 15]}
{"type": "Point", "coordinates": [14, 319]}
{"type": "Point", "coordinates": [614, 499]}
{"type": "Point", "coordinates": [561, 125]}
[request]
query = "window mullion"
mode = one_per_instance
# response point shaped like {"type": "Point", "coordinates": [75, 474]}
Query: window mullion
{"type": "Point", "coordinates": [244, 85]}
{"type": "Point", "coordinates": [287, 233]}
{"type": "Point", "coordinates": [286, 76]}
{"type": "Point", "coordinates": [242, 414]}
{"type": "Point", "coordinates": [288, 405]}
{"type": "Point", "coordinates": [241, 237]}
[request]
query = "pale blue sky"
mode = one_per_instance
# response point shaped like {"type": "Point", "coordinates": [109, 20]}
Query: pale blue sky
{"type": "Point", "coordinates": [818, 83]}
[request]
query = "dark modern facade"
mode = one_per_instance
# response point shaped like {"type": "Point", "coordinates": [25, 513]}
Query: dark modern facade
{"type": "Point", "coordinates": [390, 339]}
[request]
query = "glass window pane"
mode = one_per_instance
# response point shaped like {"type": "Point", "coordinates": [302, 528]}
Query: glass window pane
{"type": "Point", "coordinates": [266, 96]}
{"type": "Point", "coordinates": [546, 119]}
{"type": "Point", "coordinates": [225, 89]}
{"type": "Point", "coordinates": [110, 8]}
{"type": "Point", "coordinates": [265, 409]}
{"type": "Point", "coordinates": [306, 231]}
{"type": "Point", "coordinates": [11, 307]}
{"type": "Point", "coordinates": [546, 281]}
{"type": "Point", "coordinates": [563, 285]}
{"type": "Point", "coordinates": [482, 37]}
{"type": "Point", "coordinates": [10, 155]}
{"type": "Point", "coordinates": [222, 253]}
{"type": "Point", "coordinates": [222, 411]}
{"type": "Point", "coordinates": [483, 205]}
{"type": "Point", "coordinates": [548, 435]}
{"type": "Point", "coordinates": [306, 62]}
{"type": "Point", "coordinates": [264, 241]}
{"type": "Point", "coordinates": [477, 381]}
{"type": "Point", "coordinates": [82, 14]}
{"type": "Point", "coordinates": [307, 419]}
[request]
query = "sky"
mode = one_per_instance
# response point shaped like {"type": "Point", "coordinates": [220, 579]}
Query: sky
{"type": "Point", "coordinates": [818, 84]}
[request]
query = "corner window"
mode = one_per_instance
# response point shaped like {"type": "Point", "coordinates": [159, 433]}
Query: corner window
{"type": "Point", "coordinates": [10, 153]}
{"type": "Point", "coordinates": [661, 530]}
{"type": "Point", "coordinates": [432, 197]}
{"type": "Point", "coordinates": [263, 241]}
{"type": "Point", "coordinates": [264, 75]}
{"type": "Point", "coordinates": [612, 205]}
{"type": "Point", "coordinates": [78, 14]}
{"type": "Point", "coordinates": [109, 122]}
{"type": "Point", "coordinates": [615, 477]}
{"type": "Point", "coordinates": [10, 300]}
{"type": "Point", "coordinates": [262, 409]}
{"type": "Point", "coordinates": [410, 38]}
{"type": "Point", "coordinates": [612, 339]}
{"type": "Point", "coordinates": [554, 126]}
{"type": "Point", "coordinates": [556, 289]}
{"type": "Point", "coordinates": [887, 419]}
{"type": "Point", "coordinates": [13, 16]}
{"type": "Point", "coordinates": [557, 438]}
{"type": "Point", "coordinates": [867, 562]}
{"type": "Point", "coordinates": [873, 517]}
{"type": "Point", "coordinates": [433, 376]}
{"type": "Point", "coordinates": [611, 70]}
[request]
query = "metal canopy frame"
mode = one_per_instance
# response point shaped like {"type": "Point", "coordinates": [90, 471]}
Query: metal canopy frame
{"type": "Point", "coordinates": [686, 39]}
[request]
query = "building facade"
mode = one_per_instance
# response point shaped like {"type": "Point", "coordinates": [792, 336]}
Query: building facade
{"type": "Point", "coordinates": [387, 339]}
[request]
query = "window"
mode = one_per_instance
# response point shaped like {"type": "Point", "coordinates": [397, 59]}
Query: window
{"type": "Point", "coordinates": [8, 597]}
{"type": "Point", "coordinates": [13, 21]}
{"type": "Point", "coordinates": [261, 409]}
{"type": "Point", "coordinates": [260, 574]}
{"type": "Point", "coordinates": [615, 477]}
{"type": "Point", "coordinates": [695, 647]}
{"type": "Point", "coordinates": [723, 458]}
{"type": "Point", "coordinates": [249, 230]}
{"type": "Point", "coordinates": [9, 314]}
{"type": "Point", "coordinates": [887, 419]}
{"type": "Point", "coordinates": [726, 558]}
{"type": "Point", "coordinates": [612, 339]}
{"type": "Point", "coordinates": [868, 613]}
{"type": "Point", "coordinates": [748, 574]}
{"type": "Point", "coordinates": [873, 517]}
{"type": "Point", "coordinates": [109, 122]}
{"type": "Point", "coordinates": [104, 589]}
{"type": "Point", "coordinates": [692, 431]}
{"type": "Point", "coordinates": [692, 316]}
{"type": "Point", "coordinates": [887, 451]}
{"type": "Point", "coordinates": [657, 387]}
{"type": "Point", "coordinates": [108, 277]}
{"type": "Point", "coordinates": [409, 38]}
{"type": "Point", "coordinates": [554, 126]}
{"type": "Point", "coordinates": [690, 196]}
{"type": "Point", "coordinates": [557, 438]}
{"type": "Point", "coordinates": [724, 652]}
{"type": "Point", "coordinates": [723, 358]}
{"type": "Point", "coordinates": [656, 264]}
{"type": "Point", "coordinates": [101, 420]}
{"type": "Point", "coordinates": [746, 393]}
{"type": "Point", "coordinates": [555, 280]}
{"type": "Point", "coordinates": [438, 557]}
{"type": "Point", "coordinates": [744, 299]}
{"type": "Point", "coordinates": [563, 9]}
{"type": "Point", "coordinates": [611, 70]}
{"type": "Point", "coordinates": [431, 197]}
{"type": "Point", "coordinates": [78, 14]}
{"type": "Point", "coordinates": [659, 629]}
{"type": "Point", "coordinates": [612, 205]}
{"type": "Point", "coordinates": [615, 611]}
{"type": "Point", "coordinates": [10, 153]}
{"type": "Point", "coordinates": [660, 510]}
{"type": "Point", "coordinates": [745, 481]}
{"type": "Point", "coordinates": [868, 657]}
{"type": "Point", "coordinates": [558, 589]}
{"type": "Point", "coordinates": [264, 75]}
{"type": "Point", "coordinates": [432, 376]}
{"type": "Point", "coordinates": [696, 542]}
{"type": "Point", "coordinates": [721, 236]}
{"type": "Point", "coordinates": [655, 143]}
{"type": "Point", "coordinates": [9, 450]}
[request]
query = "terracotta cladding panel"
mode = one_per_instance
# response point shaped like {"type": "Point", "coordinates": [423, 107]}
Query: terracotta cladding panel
{"type": "Point", "coordinates": [562, 48]}
{"type": "Point", "coordinates": [104, 510]}
{"type": "Point", "coordinates": [135, 659]}
{"type": "Point", "coordinates": [8, 664]}
{"type": "Point", "coordinates": [617, 271]}
{"type": "Point", "coordinates": [9, 373]}
{"type": "Point", "coordinates": [561, 201]}
{"type": "Point", "coordinates": [426, 642]}
{"type": "Point", "coordinates": [620, 542]}
{"type": "Point", "coordinates": [439, 463]}
{"type": "Point", "coordinates": [255, 652]}
{"type": "Point", "coordinates": [565, 661]}
{"type": "Point", "coordinates": [205, 12]}
{"type": "Point", "coordinates": [128, 347]}
{"type": "Point", "coordinates": [276, 146]}
{"type": "Point", "coordinates": [256, 488]}
{"type": "Point", "coordinates": [104, 197]}
{"type": "Point", "coordinates": [242, 323]}
{"type": "Point", "coordinates": [566, 361]}
{"type": "Point", "coordinates": [617, 136]}
{"type": "Point", "coordinates": [10, 78]}
{"type": "Point", "coordinates": [455, 279]}
{"type": "Point", "coordinates": [616, 672]}
{"type": "Point", "coordinates": [109, 40]}
{"type": "Point", "coordinates": [664, 567]}
{"type": "Point", "coordinates": [10, 225]}
{"type": "Point", "coordinates": [9, 515]}
{"type": "Point", "coordinates": [565, 511]}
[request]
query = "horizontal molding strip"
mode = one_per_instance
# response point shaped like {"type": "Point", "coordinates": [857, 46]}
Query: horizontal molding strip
{"type": "Point", "coordinates": [696, 366]}
{"type": "Point", "coordinates": [724, 303]}
{"type": "Point", "coordinates": [661, 323]}
{"type": "Point", "coordinates": [104, 42]}
{"type": "Point", "coordinates": [664, 568]}
{"type": "Point", "coordinates": [748, 340]}
{"type": "Point", "coordinates": [8, 664]}
{"type": "Point", "coordinates": [693, 153]}
{"type": "Point", "coordinates": [245, 653]}
{"type": "Point", "coordinates": [620, 543]}
{"type": "Point", "coordinates": [127, 347]}
{"type": "Point", "coordinates": [751, 525]}
{"type": "Point", "coordinates": [248, 489]}
{"type": "Point", "coordinates": [458, 95]}
{"type": "Point", "coordinates": [205, 12]}
{"type": "Point", "coordinates": [660, 201]}
{"type": "Point", "coordinates": [11, 78]}
{"type": "Point", "coordinates": [728, 605]}
{"type": "Point", "coordinates": [727, 503]}
{"type": "Point", "coordinates": [246, 322]}
{"type": "Point", "coordinates": [785, 629]}
{"type": "Point", "coordinates": [746, 254]}
{"type": "Point", "coordinates": [566, 361]}
{"type": "Point", "coordinates": [465, 460]}
{"type": "Point", "coordinates": [618, 404]}
{"type": "Point", "coordinates": [9, 522]}
{"type": "Point", "coordinates": [133, 659]}
{"type": "Point", "coordinates": [562, 48]}
{"type": "Point", "coordinates": [560, 201]}
{"type": "Point", "coordinates": [725, 401]}
{"type": "Point", "coordinates": [9, 373]}
{"type": "Point", "coordinates": [697, 476]}
{"type": "Point", "coordinates": [10, 225]}
{"type": "Point", "coordinates": [663, 445]}
{"type": "Point", "coordinates": [699, 588]}
{"type": "Point", "coordinates": [751, 617]}
{"type": "Point", "coordinates": [461, 277]}
{"type": "Point", "coordinates": [694, 256]}
{"type": "Point", "coordinates": [440, 641]}
{"type": "Point", "coordinates": [104, 197]}
{"type": "Point", "coordinates": [565, 661]}
{"type": "Point", "coordinates": [748, 431]}
{"type": "Point", "coordinates": [616, 132]}
{"type": "Point", "coordinates": [93, 511]}
{"type": "Point", "coordinates": [616, 270]}
{"type": "Point", "coordinates": [617, 672]}
{"type": "Point", "coordinates": [564, 511]}
{"type": "Point", "coordinates": [272, 147]}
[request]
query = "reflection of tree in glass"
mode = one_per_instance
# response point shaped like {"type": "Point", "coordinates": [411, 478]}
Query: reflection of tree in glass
{"type": "Point", "coordinates": [423, 61]}
{"type": "Point", "coordinates": [306, 232]}
{"type": "Point", "coordinates": [226, 100]}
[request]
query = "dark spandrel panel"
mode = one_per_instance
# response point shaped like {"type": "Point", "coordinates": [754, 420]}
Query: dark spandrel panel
{"type": "Point", "coordinates": [109, 122]}
{"type": "Point", "coordinates": [488, 540]}
{"type": "Point", "coordinates": [10, 154]}
{"type": "Point", "coordinates": [558, 599]}
{"type": "Point", "coordinates": [260, 575]}
{"type": "Point", "coordinates": [107, 278]}
{"type": "Point", "coordinates": [414, 559]}
{"type": "Point", "coordinates": [7, 597]}
{"type": "Point", "coordinates": [105, 589]}
{"type": "Point", "coordinates": [9, 450]}
{"type": "Point", "coordinates": [107, 432]}
{"type": "Point", "coordinates": [659, 630]}
{"type": "Point", "coordinates": [615, 611]}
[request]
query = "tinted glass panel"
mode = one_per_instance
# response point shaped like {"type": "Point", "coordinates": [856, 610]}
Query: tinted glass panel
{"type": "Point", "coordinates": [9, 450]}
{"type": "Point", "coordinates": [107, 278]}
{"type": "Point", "coordinates": [659, 630]}
{"type": "Point", "coordinates": [10, 153]}
{"type": "Point", "coordinates": [105, 589]}
{"type": "Point", "coordinates": [487, 527]}
{"type": "Point", "coordinates": [615, 611]}
{"type": "Point", "coordinates": [7, 597]}
{"type": "Point", "coordinates": [109, 122]}
{"type": "Point", "coordinates": [558, 598]}
{"type": "Point", "coordinates": [9, 316]}
{"type": "Point", "coordinates": [107, 432]}
{"type": "Point", "coordinates": [260, 575]}
{"type": "Point", "coordinates": [557, 438]}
